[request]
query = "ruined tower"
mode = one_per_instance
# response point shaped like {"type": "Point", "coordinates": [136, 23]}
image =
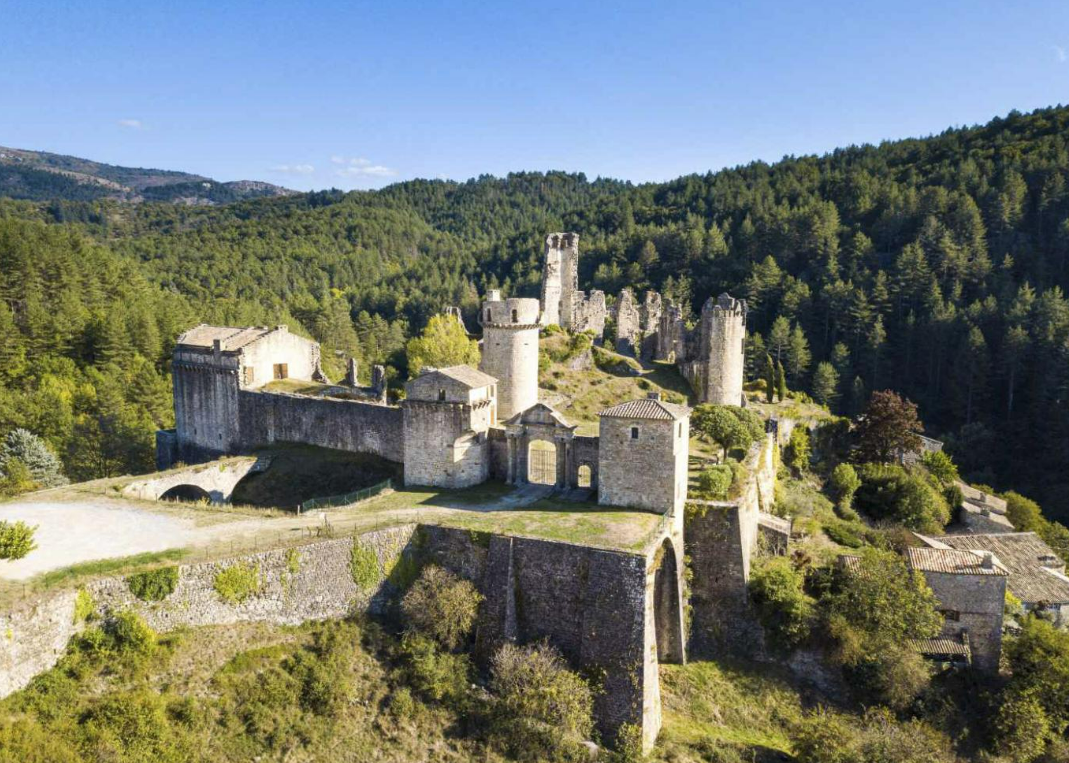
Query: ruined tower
{"type": "Point", "coordinates": [716, 372]}
{"type": "Point", "coordinates": [510, 351]}
{"type": "Point", "coordinates": [562, 302]}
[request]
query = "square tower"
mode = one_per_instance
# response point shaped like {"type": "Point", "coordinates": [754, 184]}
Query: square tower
{"type": "Point", "coordinates": [643, 452]}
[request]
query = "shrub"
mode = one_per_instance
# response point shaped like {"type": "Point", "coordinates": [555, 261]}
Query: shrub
{"type": "Point", "coordinates": [892, 674]}
{"type": "Point", "coordinates": [1024, 513]}
{"type": "Point", "coordinates": [886, 740]}
{"type": "Point", "coordinates": [843, 483]}
{"type": "Point", "coordinates": [822, 738]}
{"type": "Point", "coordinates": [364, 565]}
{"type": "Point", "coordinates": [715, 482]}
{"type": "Point", "coordinates": [153, 585]}
{"type": "Point", "coordinates": [541, 709]}
{"type": "Point", "coordinates": [133, 726]}
{"type": "Point", "coordinates": [890, 492]}
{"type": "Point", "coordinates": [1022, 728]}
{"type": "Point", "coordinates": [783, 607]}
{"type": "Point", "coordinates": [16, 539]}
{"type": "Point", "coordinates": [130, 633]}
{"type": "Point", "coordinates": [238, 582]}
{"type": "Point", "coordinates": [941, 466]}
{"type": "Point", "coordinates": [293, 561]}
{"type": "Point", "coordinates": [843, 534]}
{"type": "Point", "coordinates": [796, 454]}
{"type": "Point", "coordinates": [84, 606]}
{"type": "Point", "coordinates": [442, 606]}
{"type": "Point", "coordinates": [437, 675]}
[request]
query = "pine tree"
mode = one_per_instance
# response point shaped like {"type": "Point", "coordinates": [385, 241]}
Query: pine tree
{"type": "Point", "coordinates": [798, 356]}
{"type": "Point", "coordinates": [825, 384]}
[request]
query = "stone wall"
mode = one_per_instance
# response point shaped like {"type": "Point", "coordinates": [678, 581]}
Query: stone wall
{"type": "Point", "coordinates": [599, 607]}
{"type": "Point", "coordinates": [206, 409]}
{"type": "Point", "coordinates": [441, 446]}
{"type": "Point", "coordinates": [351, 425]}
{"type": "Point", "coordinates": [217, 479]}
{"type": "Point", "coordinates": [721, 537]}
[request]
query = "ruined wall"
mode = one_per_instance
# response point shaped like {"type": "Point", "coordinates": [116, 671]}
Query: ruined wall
{"type": "Point", "coordinates": [721, 537]}
{"type": "Point", "coordinates": [671, 338]}
{"type": "Point", "coordinates": [562, 302]}
{"type": "Point", "coordinates": [978, 602]}
{"type": "Point", "coordinates": [647, 472]}
{"type": "Point", "coordinates": [33, 638]}
{"type": "Point", "coordinates": [352, 425]}
{"type": "Point", "coordinates": [510, 352]}
{"type": "Point", "coordinates": [553, 280]}
{"type": "Point", "coordinates": [445, 444]}
{"type": "Point", "coordinates": [628, 332]}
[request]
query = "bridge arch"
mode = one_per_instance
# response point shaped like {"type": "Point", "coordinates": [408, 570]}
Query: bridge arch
{"type": "Point", "coordinates": [668, 604]}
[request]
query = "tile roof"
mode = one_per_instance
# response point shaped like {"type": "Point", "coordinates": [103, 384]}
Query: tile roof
{"type": "Point", "coordinates": [1036, 572]}
{"type": "Point", "coordinates": [979, 498]}
{"type": "Point", "coordinates": [471, 377]}
{"type": "Point", "coordinates": [230, 338]}
{"type": "Point", "coordinates": [951, 561]}
{"type": "Point", "coordinates": [943, 646]}
{"type": "Point", "coordinates": [647, 408]}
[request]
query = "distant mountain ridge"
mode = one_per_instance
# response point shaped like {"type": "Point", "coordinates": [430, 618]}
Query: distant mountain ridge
{"type": "Point", "coordinates": [42, 176]}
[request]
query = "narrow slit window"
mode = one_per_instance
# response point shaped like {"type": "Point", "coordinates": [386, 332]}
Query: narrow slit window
{"type": "Point", "coordinates": [441, 395]}
{"type": "Point", "coordinates": [515, 316]}
{"type": "Point", "coordinates": [634, 433]}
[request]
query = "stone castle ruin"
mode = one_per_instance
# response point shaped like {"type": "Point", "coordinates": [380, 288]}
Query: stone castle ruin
{"type": "Point", "coordinates": [711, 355]}
{"type": "Point", "coordinates": [240, 389]}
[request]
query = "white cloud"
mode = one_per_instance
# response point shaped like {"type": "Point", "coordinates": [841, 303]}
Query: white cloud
{"type": "Point", "coordinates": [133, 124]}
{"type": "Point", "coordinates": [1060, 55]}
{"type": "Point", "coordinates": [368, 170]}
{"type": "Point", "coordinates": [294, 169]}
{"type": "Point", "coordinates": [360, 167]}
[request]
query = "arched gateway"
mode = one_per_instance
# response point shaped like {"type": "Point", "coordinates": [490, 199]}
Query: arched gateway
{"type": "Point", "coordinates": [544, 448]}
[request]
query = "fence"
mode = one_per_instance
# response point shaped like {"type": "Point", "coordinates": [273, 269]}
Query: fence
{"type": "Point", "coordinates": [345, 499]}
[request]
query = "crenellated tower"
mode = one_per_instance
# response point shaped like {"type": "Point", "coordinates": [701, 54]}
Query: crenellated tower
{"type": "Point", "coordinates": [510, 351]}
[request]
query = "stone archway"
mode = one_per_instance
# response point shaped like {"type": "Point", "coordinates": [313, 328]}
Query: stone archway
{"type": "Point", "coordinates": [667, 605]}
{"type": "Point", "coordinates": [542, 462]}
{"type": "Point", "coordinates": [187, 494]}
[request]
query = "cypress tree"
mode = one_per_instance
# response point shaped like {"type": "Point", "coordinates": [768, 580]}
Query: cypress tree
{"type": "Point", "coordinates": [770, 378]}
{"type": "Point", "coordinates": [781, 382]}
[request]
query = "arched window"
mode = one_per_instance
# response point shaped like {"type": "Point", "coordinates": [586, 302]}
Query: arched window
{"type": "Point", "coordinates": [515, 316]}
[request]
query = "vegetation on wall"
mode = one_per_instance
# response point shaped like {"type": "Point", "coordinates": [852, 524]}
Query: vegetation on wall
{"type": "Point", "coordinates": [153, 585]}
{"type": "Point", "coordinates": [237, 582]}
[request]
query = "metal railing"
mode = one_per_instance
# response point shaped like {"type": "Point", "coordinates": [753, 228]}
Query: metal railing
{"type": "Point", "coordinates": [345, 499]}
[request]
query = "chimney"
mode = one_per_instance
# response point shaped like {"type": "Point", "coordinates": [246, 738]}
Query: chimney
{"type": "Point", "coordinates": [352, 377]}
{"type": "Point", "coordinates": [494, 295]}
{"type": "Point", "coordinates": [217, 347]}
{"type": "Point", "coordinates": [653, 395]}
{"type": "Point", "coordinates": [987, 561]}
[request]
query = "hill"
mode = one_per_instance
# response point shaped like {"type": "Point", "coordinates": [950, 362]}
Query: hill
{"type": "Point", "coordinates": [934, 266]}
{"type": "Point", "coordinates": [41, 176]}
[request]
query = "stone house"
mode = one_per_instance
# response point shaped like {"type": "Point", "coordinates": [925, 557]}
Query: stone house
{"type": "Point", "coordinates": [971, 589]}
{"type": "Point", "coordinates": [1036, 574]}
{"type": "Point", "coordinates": [447, 415]}
{"type": "Point", "coordinates": [643, 455]}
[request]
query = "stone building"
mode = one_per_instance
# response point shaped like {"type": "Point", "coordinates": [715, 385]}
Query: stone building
{"type": "Point", "coordinates": [971, 589]}
{"type": "Point", "coordinates": [212, 364]}
{"type": "Point", "coordinates": [717, 366]}
{"type": "Point", "coordinates": [510, 351]}
{"type": "Point", "coordinates": [562, 302]}
{"type": "Point", "coordinates": [1036, 574]}
{"type": "Point", "coordinates": [982, 512]}
{"type": "Point", "coordinates": [448, 413]}
{"type": "Point", "coordinates": [643, 455]}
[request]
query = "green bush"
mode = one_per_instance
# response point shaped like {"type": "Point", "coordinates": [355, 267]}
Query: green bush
{"type": "Point", "coordinates": [238, 582]}
{"type": "Point", "coordinates": [293, 561]}
{"type": "Point", "coordinates": [16, 539]}
{"type": "Point", "coordinates": [893, 675]}
{"type": "Point", "coordinates": [822, 737]}
{"type": "Point", "coordinates": [784, 609]}
{"type": "Point", "coordinates": [442, 606]}
{"type": "Point", "coordinates": [1022, 727]}
{"type": "Point", "coordinates": [153, 585]}
{"type": "Point", "coordinates": [541, 710]}
{"type": "Point", "coordinates": [844, 534]}
{"type": "Point", "coordinates": [796, 453]}
{"type": "Point", "coordinates": [940, 466]}
{"type": "Point", "coordinates": [131, 727]}
{"type": "Point", "coordinates": [437, 675]}
{"type": "Point", "coordinates": [84, 606]}
{"type": "Point", "coordinates": [891, 492]}
{"type": "Point", "coordinates": [715, 482]}
{"type": "Point", "coordinates": [130, 633]}
{"type": "Point", "coordinates": [843, 484]}
{"type": "Point", "coordinates": [364, 565]}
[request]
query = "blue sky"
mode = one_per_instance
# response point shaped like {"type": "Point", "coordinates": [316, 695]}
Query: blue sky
{"type": "Point", "coordinates": [358, 95]}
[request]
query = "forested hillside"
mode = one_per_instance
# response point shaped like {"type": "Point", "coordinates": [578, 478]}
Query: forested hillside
{"type": "Point", "coordinates": [933, 266]}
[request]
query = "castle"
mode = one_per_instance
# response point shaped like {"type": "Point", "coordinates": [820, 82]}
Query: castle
{"type": "Point", "coordinates": [239, 389]}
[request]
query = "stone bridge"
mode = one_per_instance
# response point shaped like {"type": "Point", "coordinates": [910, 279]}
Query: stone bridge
{"type": "Point", "coordinates": [214, 481]}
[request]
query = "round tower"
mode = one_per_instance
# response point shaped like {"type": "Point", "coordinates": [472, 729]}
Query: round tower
{"type": "Point", "coordinates": [723, 349]}
{"type": "Point", "coordinates": [510, 351]}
